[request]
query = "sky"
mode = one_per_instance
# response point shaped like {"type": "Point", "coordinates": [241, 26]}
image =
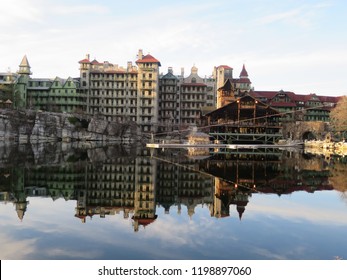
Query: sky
{"type": "Point", "coordinates": [294, 45]}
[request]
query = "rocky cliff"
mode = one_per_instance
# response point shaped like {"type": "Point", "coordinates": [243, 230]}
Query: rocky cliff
{"type": "Point", "coordinates": [32, 126]}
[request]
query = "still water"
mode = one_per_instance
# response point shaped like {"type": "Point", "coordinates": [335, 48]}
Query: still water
{"type": "Point", "coordinates": [60, 201]}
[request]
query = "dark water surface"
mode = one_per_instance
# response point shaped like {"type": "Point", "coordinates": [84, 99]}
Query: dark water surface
{"type": "Point", "coordinates": [61, 201]}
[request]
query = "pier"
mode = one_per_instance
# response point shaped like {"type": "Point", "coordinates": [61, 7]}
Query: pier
{"type": "Point", "coordinates": [220, 146]}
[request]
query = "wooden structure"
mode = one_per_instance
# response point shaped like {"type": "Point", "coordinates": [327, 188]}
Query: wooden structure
{"type": "Point", "coordinates": [246, 120]}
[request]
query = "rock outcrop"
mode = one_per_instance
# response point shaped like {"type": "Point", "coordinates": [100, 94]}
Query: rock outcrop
{"type": "Point", "coordinates": [32, 126]}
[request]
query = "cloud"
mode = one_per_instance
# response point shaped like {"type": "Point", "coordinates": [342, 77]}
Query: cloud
{"type": "Point", "coordinates": [12, 249]}
{"type": "Point", "coordinates": [19, 11]}
{"type": "Point", "coordinates": [302, 16]}
{"type": "Point", "coordinates": [284, 16]}
{"type": "Point", "coordinates": [58, 253]}
{"type": "Point", "coordinates": [79, 10]}
{"type": "Point", "coordinates": [291, 210]}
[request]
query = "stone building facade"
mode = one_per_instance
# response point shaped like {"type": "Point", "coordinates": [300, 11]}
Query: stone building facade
{"type": "Point", "coordinates": [123, 94]}
{"type": "Point", "coordinates": [183, 98]}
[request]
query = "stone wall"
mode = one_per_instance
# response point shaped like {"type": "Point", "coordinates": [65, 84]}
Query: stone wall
{"type": "Point", "coordinates": [298, 130]}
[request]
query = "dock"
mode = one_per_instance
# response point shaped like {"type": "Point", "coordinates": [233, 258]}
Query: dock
{"type": "Point", "coordinates": [221, 146]}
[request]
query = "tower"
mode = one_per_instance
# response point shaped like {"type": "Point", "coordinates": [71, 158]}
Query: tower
{"type": "Point", "coordinates": [221, 74]}
{"type": "Point", "coordinates": [148, 92]}
{"type": "Point", "coordinates": [20, 88]}
{"type": "Point", "coordinates": [225, 94]}
{"type": "Point", "coordinates": [24, 67]}
{"type": "Point", "coordinates": [85, 77]}
{"type": "Point", "coordinates": [243, 84]}
{"type": "Point", "coordinates": [84, 71]}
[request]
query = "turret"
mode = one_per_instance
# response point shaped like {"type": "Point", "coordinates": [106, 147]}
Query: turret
{"type": "Point", "coordinates": [243, 73]}
{"type": "Point", "coordinates": [24, 67]}
{"type": "Point", "coordinates": [84, 71]}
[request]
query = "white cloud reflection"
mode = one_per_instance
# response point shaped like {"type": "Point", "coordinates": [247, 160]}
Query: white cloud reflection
{"type": "Point", "coordinates": [56, 234]}
{"type": "Point", "coordinates": [297, 211]}
{"type": "Point", "coordinates": [14, 249]}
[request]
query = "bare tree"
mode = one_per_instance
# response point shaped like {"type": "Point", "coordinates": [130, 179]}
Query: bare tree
{"type": "Point", "coordinates": [338, 118]}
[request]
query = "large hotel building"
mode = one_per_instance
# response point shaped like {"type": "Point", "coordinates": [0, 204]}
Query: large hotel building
{"type": "Point", "coordinates": [140, 94]}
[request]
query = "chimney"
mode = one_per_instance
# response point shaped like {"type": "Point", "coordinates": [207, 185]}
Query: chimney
{"type": "Point", "coordinates": [140, 54]}
{"type": "Point", "coordinates": [170, 70]}
{"type": "Point", "coordinates": [87, 56]}
{"type": "Point", "coordinates": [182, 72]}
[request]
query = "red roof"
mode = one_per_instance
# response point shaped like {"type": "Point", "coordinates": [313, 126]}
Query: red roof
{"type": "Point", "coordinates": [148, 59]}
{"type": "Point", "coordinates": [145, 221]}
{"type": "Point", "coordinates": [300, 97]}
{"type": "Point", "coordinates": [266, 94]}
{"type": "Point", "coordinates": [243, 72]}
{"type": "Point", "coordinates": [243, 81]}
{"type": "Point", "coordinates": [330, 99]}
{"type": "Point", "coordinates": [294, 97]}
{"type": "Point", "coordinates": [272, 94]}
{"type": "Point", "coordinates": [224, 66]}
{"type": "Point", "coordinates": [86, 60]}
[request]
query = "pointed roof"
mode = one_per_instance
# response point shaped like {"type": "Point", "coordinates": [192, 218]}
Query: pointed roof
{"type": "Point", "coordinates": [240, 210]}
{"type": "Point", "coordinates": [244, 73]}
{"type": "Point", "coordinates": [24, 62]}
{"type": "Point", "coordinates": [148, 59]}
{"type": "Point", "coordinates": [24, 66]}
{"type": "Point", "coordinates": [227, 86]}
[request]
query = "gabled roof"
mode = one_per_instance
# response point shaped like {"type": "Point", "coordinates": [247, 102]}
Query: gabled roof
{"type": "Point", "coordinates": [221, 109]}
{"type": "Point", "coordinates": [272, 94]}
{"type": "Point", "coordinates": [95, 62]}
{"type": "Point", "coordinates": [148, 59]}
{"type": "Point", "coordinates": [169, 76]}
{"type": "Point", "coordinates": [227, 86]}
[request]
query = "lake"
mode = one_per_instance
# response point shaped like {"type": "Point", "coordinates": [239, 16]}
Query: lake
{"type": "Point", "coordinates": [69, 201]}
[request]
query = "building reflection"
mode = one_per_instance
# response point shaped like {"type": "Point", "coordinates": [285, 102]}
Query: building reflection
{"type": "Point", "coordinates": [135, 185]}
{"type": "Point", "coordinates": [124, 185]}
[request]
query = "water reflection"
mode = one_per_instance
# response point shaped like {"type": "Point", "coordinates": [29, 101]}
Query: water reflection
{"type": "Point", "coordinates": [58, 200]}
{"type": "Point", "coordinates": [134, 182]}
